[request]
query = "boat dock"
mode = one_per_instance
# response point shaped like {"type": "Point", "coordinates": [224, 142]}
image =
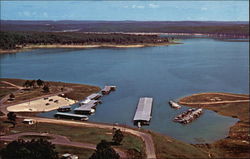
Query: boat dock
{"type": "Point", "coordinates": [86, 108]}
{"type": "Point", "coordinates": [64, 109]}
{"type": "Point", "coordinates": [188, 116]}
{"type": "Point", "coordinates": [87, 101]}
{"type": "Point", "coordinates": [108, 89]}
{"type": "Point", "coordinates": [71, 116]}
{"type": "Point", "coordinates": [143, 111]}
{"type": "Point", "coordinates": [94, 96]}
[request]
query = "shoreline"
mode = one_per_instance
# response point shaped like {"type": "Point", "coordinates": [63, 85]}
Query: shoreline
{"type": "Point", "coordinates": [31, 47]}
{"type": "Point", "coordinates": [225, 104]}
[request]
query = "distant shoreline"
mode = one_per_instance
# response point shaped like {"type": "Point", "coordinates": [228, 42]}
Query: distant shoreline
{"type": "Point", "coordinates": [30, 47]}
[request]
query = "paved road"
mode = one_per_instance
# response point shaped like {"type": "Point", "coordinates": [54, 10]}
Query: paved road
{"type": "Point", "coordinates": [18, 87]}
{"type": "Point", "coordinates": [147, 138]}
{"type": "Point", "coordinates": [59, 140]}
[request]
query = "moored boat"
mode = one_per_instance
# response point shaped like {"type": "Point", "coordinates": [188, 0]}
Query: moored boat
{"type": "Point", "coordinates": [174, 104]}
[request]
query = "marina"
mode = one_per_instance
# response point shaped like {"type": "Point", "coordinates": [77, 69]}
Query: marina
{"type": "Point", "coordinates": [143, 111]}
{"type": "Point", "coordinates": [71, 116]}
{"type": "Point", "coordinates": [155, 72]}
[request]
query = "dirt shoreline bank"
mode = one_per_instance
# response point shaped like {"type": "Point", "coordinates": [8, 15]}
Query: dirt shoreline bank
{"type": "Point", "coordinates": [236, 144]}
{"type": "Point", "coordinates": [31, 47]}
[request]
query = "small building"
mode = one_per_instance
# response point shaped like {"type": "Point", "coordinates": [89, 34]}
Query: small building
{"type": "Point", "coordinates": [69, 156]}
{"type": "Point", "coordinates": [108, 89]}
{"type": "Point", "coordinates": [71, 116]}
{"type": "Point", "coordinates": [29, 121]}
{"type": "Point", "coordinates": [143, 111]}
{"type": "Point", "coordinates": [64, 109]}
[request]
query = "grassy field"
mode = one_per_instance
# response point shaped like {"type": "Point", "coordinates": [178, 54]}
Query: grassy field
{"type": "Point", "coordinates": [79, 134]}
{"type": "Point", "coordinates": [236, 145]}
{"type": "Point", "coordinates": [167, 147]}
{"type": "Point", "coordinates": [79, 91]}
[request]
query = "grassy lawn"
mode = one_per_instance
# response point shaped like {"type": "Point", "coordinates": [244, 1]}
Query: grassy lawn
{"type": "Point", "coordinates": [80, 134]}
{"type": "Point", "coordinates": [170, 148]}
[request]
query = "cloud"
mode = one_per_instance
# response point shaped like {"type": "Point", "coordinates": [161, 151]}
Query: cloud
{"type": "Point", "coordinates": [151, 5]}
{"type": "Point", "coordinates": [203, 8]}
{"type": "Point", "coordinates": [137, 6]}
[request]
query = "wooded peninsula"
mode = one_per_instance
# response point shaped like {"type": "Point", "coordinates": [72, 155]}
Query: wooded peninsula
{"type": "Point", "coordinates": [18, 40]}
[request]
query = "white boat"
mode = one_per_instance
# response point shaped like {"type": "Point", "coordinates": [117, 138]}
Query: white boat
{"type": "Point", "coordinates": [174, 104]}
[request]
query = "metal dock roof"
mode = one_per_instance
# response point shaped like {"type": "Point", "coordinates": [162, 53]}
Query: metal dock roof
{"type": "Point", "coordinates": [144, 108]}
{"type": "Point", "coordinates": [94, 96]}
{"type": "Point", "coordinates": [85, 107]}
{"type": "Point", "coordinates": [64, 107]}
{"type": "Point", "coordinates": [71, 115]}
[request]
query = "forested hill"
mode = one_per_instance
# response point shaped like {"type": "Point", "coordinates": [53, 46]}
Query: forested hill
{"type": "Point", "coordinates": [205, 27]}
{"type": "Point", "coordinates": [13, 40]}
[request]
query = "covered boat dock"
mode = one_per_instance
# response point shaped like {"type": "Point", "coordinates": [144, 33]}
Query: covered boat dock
{"type": "Point", "coordinates": [143, 111]}
{"type": "Point", "coordinates": [71, 116]}
{"type": "Point", "coordinates": [94, 96]}
{"type": "Point", "coordinates": [86, 108]}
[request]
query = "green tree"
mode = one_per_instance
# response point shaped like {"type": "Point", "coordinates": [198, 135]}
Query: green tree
{"type": "Point", "coordinates": [118, 137]}
{"type": "Point", "coordinates": [12, 96]}
{"type": "Point", "coordinates": [34, 149]}
{"type": "Point", "coordinates": [26, 83]}
{"type": "Point", "coordinates": [104, 151]}
{"type": "Point", "coordinates": [39, 82]}
{"type": "Point", "coordinates": [11, 116]}
{"type": "Point", "coordinates": [33, 83]}
{"type": "Point", "coordinates": [46, 88]}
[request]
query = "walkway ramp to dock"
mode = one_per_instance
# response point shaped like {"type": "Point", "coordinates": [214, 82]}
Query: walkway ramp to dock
{"type": "Point", "coordinates": [144, 108]}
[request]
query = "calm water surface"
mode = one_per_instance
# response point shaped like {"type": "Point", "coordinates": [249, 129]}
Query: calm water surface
{"type": "Point", "coordinates": [164, 73]}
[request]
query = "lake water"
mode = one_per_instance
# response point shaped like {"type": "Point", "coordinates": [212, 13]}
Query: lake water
{"type": "Point", "coordinates": [164, 73]}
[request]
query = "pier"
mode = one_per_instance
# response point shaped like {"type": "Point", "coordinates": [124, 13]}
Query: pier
{"type": "Point", "coordinates": [143, 111]}
{"type": "Point", "coordinates": [94, 96]}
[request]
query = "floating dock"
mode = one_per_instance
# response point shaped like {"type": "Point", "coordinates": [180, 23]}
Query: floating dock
{"type": "Point", "coordinates": [71, 116]}
{"type": "Point", "coordinates": [143, 111]}
{"type": "Point", "coordinates": [86, 108]}
{"type": "Point", "coordinates": [94, 96]}
{"type": "Point", "coordinates": [188, 116]}
{"type": "Point", "coordinates": [108, 89]}
{"type": "Point", "coordinates": [64, 109]}
{"type": "Point", "coordinates": [90, 102]}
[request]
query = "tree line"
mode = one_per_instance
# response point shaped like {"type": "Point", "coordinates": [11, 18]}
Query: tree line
{"type": "Point", "coordinates": [13, 40]}
{"type": "Point", "coordinates": [41, 149]}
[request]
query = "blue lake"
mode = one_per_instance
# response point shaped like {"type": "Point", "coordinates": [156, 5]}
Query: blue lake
{"type": "Point", "coordinates": [164, 73]}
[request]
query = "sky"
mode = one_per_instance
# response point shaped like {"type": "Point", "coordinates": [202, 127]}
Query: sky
{"type": "Point", "coordinates": [126, 10]}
